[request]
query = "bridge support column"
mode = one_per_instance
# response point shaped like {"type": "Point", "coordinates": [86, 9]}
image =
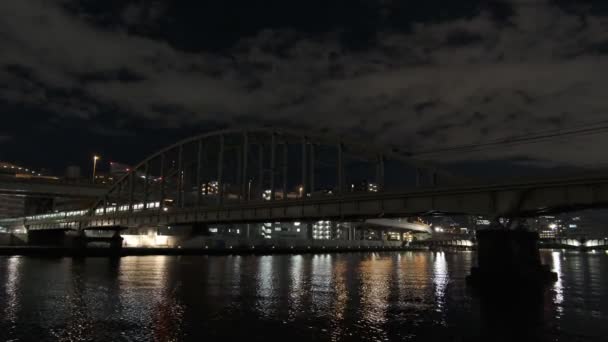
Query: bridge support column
{"type": "Point", "coordinates": [308, 231]}
{"type": "Point", "coordinates": [116, 241]}
{"type": "Point", "coordinates": [80, 240]}
{"type": "Point", "coordinates": [508, 257]}
{"type": "Point", "coordinates": [50, 237]}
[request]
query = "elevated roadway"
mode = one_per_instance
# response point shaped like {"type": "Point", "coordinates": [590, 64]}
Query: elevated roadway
{"type": "Point", "coordinates": [509, 199]}
{"type": "Point", "coordinates": [49, 188]}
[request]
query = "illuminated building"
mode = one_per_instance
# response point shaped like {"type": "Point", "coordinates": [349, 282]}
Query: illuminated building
{"type": "Point", "coordinates": [210, 188]}
{"type": "Point", "coordinates": [322, 230]}
{"type": "Point", "coordinates": [271, 230]}
{"type": "Point", "coordinates": [364, 186]}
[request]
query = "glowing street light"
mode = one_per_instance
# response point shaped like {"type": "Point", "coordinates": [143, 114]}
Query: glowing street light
{"type": "Point", "coordinates": [95, 159]}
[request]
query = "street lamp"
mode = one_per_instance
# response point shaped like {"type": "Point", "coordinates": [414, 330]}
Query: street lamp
{"type": "Point", "coordinates": [95, 159]}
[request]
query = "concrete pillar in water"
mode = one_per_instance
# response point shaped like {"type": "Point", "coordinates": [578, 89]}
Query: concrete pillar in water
{"type": "Point", "coordinates": [308, 231]}
{"type": "Point", "coordinates": [46, 237]}
{"type": "Point", "coordinates": [116, 240]}
{"type": "Point", "coordinates": [508, 257]}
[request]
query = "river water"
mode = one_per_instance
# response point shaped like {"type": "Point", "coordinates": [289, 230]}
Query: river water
{"type": "Point", "coordinates": [392, 296]}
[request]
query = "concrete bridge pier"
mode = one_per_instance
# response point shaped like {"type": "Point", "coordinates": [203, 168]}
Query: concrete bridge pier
{"type": "Point", "coordinates": [46, 237]}
{"type": "Point", "coordinates": [114, 241]}
{"type": "Point", "coordinates": [309, 231]}
{"type": "Point", "coordinates": [509, 257]}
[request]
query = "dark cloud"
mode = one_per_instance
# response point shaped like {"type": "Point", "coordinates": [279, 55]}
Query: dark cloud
{"type": "Point", "coordinates": [420, 76]}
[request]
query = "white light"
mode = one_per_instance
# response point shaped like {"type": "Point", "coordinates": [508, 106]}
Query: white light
{"type": "Point", "coordinates": [553, 226]}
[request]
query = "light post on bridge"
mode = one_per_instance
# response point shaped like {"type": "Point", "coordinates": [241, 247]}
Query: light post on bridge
{"type": "Point", "coordinates": [95, 159]}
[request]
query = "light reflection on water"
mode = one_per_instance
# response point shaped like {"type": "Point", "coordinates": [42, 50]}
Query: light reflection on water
{"type": "Point", "coordinates": [558, 287]}
{"type": "Point", "coordinates": [337, 297]}
{"type": "Point", "coordinates": [297, 286]}
{"type": "Point", "coordinates": [440, 280]}
{"type": "Point", "coordinates": [374, 290]}
{"type": "Point", "coordinates": [11, 290]}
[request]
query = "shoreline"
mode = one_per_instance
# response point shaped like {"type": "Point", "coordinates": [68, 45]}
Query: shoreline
{"type": "Point", "coordinates": [50, 251]}
{"type": "Point", "coordinates": [134, 251]}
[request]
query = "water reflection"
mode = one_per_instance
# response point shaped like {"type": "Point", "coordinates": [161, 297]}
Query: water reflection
{"type": "Point", "coordinates": [321, 286]}
{"type": "Point", "coordinates": [235, 276]}
{"type": "Point", "coordinates": [148, 297]}
{"type": "Point", "coordinates": [440, 280]}
{"type": "Point", "coordinates": [375, 273]}
{"type": "Point", "coordinates": [558, 287]}
{"type": "Point", "coordinates": [80, 326]}
{"type": "Point", "coordinates": [296, 293]}
{"type": "Point", "coordinates": [360, 297]}
{"type": "Point", "coordinates": [339, 299]}
{"type": "Point", "coordinates": [11, 288]}
{"type": "Point", "coordinates": [265, 285]}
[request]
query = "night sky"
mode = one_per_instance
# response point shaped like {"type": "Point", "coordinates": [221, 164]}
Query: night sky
{"type": "Point", "coordinates": [125, 78]}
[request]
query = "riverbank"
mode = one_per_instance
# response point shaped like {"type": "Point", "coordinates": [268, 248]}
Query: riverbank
{"type": "Point", "coordinates": [135, 251]}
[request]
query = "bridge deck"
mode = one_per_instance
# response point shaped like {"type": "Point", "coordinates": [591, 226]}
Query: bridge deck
{"type": "Point", "coordinates": [526, 197]}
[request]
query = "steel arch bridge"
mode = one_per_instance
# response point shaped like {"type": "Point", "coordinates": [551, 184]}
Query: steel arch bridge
{"type": "Point", "coordinates": [271, 175]}
{"type": "Point", "coordinates": [260, 165]}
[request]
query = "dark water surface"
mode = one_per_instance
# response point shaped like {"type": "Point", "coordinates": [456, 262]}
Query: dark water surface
{"type": "Point", "coordinates": [393, 296]}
